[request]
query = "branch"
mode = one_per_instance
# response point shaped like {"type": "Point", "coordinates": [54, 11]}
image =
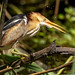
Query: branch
{"type": "Point", "coordinates": [8, 69]}
{"type": "Point", "coordinates": [7, 13]}
{"type": "Point", "coordinates": [52, 49]}
{"type": "Point", "coordinates": [54, 69]}
{"type": "Point", "coordinates": [3, 9]}
{"type": "Point", "coordinates": [56, 10]}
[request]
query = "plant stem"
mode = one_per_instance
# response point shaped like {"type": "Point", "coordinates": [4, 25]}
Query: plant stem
{"type": "Point", "coordinates": [68, 60]}
{"type": "Point", "coordinates": [16, 9]}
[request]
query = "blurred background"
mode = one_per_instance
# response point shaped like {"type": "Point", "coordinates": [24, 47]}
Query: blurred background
{"type": "Point", "coordinates": [61, 12]}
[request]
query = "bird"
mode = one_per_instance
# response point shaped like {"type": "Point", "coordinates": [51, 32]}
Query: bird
{"type": "Point", "coordinates": [22, 26]}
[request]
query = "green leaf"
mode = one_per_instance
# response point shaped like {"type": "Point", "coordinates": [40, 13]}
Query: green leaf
{"type": "Point", "coordinates": [41, 34]}
{"type": "Point", "coordinates": [42, 41]}
{"type": "Point", "coordinates": [9, 73]}
{"type": "Point", "coordinates": [69, 10]}
{"type": "Point", "coordinates": [10, 59]}
{"type": "Point", "coordinates": [68, 36]}
{"type": "Point", "coordinates": [37, 68]}
{"type": "Point", "coordinates": [20, 71]}
{"type": "Point", "coordinates": [73, 66]}
{"type": "Point", "coordinates": [61, 16]}
{"type": "Point", "coordinates": [72, 31]}
{"type": "Point", "coordinates": [35, 40]}
{"type": "Point", "coordinates": [68, 16]}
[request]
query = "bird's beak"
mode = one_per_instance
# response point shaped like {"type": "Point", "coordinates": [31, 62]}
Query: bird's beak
{"type": "Point", "coordinates": [50, 24]}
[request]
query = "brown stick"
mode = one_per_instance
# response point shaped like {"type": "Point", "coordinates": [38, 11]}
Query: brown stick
{"type": "Point", "coordinates": [56, 10]}
{"type": "Point", "coordinates": [2, 22]}
{"type": "Point", "coordinates": [8, 69]}
{"type": "Point", "coordinates": [7, 14]}
{"type": "Point", "coordinates": [52, 49]}
{"type": "Point", "coordinates": [54, 69]}
{"type": "Point", "coordinates": [65, 50]}
{"type": "Point", "coordinates": [46, 4]}
{"type": "Point", "coordinates": [3, 17]}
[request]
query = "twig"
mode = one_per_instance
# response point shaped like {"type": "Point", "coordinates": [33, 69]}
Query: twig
{"type": "Point", "coordinates": [3, 9]}
{"type": "Point", "coordinates": [65, 50]}
{"type": "Point", "coordinates": [44, 52]}
{"type": "Point", "coordinates": [61, 70]}
{"type": "Point", "coordinates": [56, 9]}
{"type": "Point", "coordinates": [7, 13]}
{"type": "Point", "coordinates": [15, 73]}
{"type": "Point", "coordinates": [52, 49]}
{"type": "Point", "coordinates": [8, 69]}
{"type": "Point", "coordinates": [54, 69]}
{"type": "Point", "coordinates": [15, 9]}
{"type": "Point", "coordinates": [45, 5]}
{"type": "Point", "coordinates": [2, 16]}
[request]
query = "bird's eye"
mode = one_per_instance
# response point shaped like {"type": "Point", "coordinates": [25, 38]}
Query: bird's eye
{"type": "Point", "coordinates": [44, 19]}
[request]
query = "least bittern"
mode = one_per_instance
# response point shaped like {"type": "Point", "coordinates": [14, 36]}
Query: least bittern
{"type": "Point", "coordinates": [23, 25]}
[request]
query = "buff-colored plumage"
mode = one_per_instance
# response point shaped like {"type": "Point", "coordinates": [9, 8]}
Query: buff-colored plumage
{"type": "Point", "coordinates": [24, 26]}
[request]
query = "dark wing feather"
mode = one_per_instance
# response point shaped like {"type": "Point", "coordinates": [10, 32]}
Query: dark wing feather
{"type": "Point", "coordinates": [13, 34]}
{"type": "Point", "coordinates": [13, 21]}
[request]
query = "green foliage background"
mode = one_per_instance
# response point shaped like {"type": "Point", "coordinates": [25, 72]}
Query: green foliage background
{"type": "Point", "coordinates": [65, 18]}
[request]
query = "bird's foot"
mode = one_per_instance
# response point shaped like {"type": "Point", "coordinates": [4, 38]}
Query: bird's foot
{"type": "Point", "coordinates": [7, 66]}
{"type": "Point", "coordinates": [17, 52]}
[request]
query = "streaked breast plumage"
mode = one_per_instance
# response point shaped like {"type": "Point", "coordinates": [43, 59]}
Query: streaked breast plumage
{"type": "Point", "coordinates": [25, 25]}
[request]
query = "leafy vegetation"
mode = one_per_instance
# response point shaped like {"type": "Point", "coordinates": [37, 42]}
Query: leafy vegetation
{"type": "Point", "coordinates": [65, 18]}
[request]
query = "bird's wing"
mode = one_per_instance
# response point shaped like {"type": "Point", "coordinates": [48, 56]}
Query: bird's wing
{"type": "Point", "coordinates": [13, 21]}
{"type": "Point", "coordinates": [13, 34]}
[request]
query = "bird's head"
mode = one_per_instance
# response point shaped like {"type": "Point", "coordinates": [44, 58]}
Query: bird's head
{"type": "Point", "coordinates": [36, 20]}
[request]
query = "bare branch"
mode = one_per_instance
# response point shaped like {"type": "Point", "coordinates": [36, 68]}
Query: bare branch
{"type": "Point", "coordinates": [7, 14]}
{"type": "Point", "coordinates": [8, 69]}
{"type": "Point", "coordinates": [56, 10]}
{"type": "Point", "coordinates": [54, 69]}
{"type": "Point", "coordinates": [3, 16]}
{"type": "Point", "coordinates": [52, 49]}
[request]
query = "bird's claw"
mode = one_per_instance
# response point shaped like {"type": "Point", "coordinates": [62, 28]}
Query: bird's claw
{"type": "Point", "coordinates": [17, 52]}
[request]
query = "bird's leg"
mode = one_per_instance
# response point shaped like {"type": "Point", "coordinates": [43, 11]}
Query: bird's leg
{"type": "Point", "coordinates": [17, 52]}
{"type": "Point", "coordinates": [14, 46]}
